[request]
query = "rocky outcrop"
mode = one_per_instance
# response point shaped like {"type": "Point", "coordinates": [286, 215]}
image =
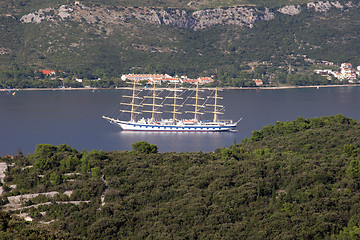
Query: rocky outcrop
{"type": "Point", "coordinates": [232, 16]}
{"type": "Point", "coordinates": [240, 16]}
{"type": "Point", "coordinates": [65, 11]}
{"type": "Point", "coordinates": [290, 10]}
{"type": "Point", "coordinates": [4, 51]}
{"type": "Point", "coordinates": [3, 169]}
{"type": "Point", "coordinates": [323, 6]}
{"type": "Point", "coordinates": [320, 6]}
{"type": "Point", "coordinates": [177, 18]}
{"type": "Point", "coordinates": [39, 16]}
{"type": "Point", "coordinates": [25, 197]}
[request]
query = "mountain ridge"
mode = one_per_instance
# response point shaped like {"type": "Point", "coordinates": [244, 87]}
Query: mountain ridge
{"type": "Point", "coordinates": [91, 40]}
{"type": "Point", "coordinates": [241, 16]}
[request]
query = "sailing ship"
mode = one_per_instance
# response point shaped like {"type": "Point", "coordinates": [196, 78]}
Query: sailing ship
{"type": "Point", "coordinates": [174, 124]}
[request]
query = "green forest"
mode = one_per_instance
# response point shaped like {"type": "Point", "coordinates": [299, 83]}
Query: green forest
{"type": "Point", "coordinates": [234, 53]}
{"type": "Point", "coordinates": [292, 180]}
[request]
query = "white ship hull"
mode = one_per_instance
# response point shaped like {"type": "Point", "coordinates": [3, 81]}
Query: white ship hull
{"type": "Point", "coordinates": [177, 127]}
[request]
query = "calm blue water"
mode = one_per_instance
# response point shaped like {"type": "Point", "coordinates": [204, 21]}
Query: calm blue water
{"type": "Point", "coordinates": [74, 118]}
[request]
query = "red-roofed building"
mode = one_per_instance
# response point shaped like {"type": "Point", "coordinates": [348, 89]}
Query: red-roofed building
{"type": "Point", "coordinates": [172, 80]}
{"type": "Point", "coordinates": [345, 65]}
{"type": "Point", "coordinates": [258, 82]}
{"type": "Point", "coordinates": [47, 72]}
{"type": "Point", "coordinates": [188, 80]}
{"type": "Point", "coordinates": [151, 81]}
{"type": "Point", "coordinates": [142, 77]}
{"type": "Point", "coordinates": [205, 80]}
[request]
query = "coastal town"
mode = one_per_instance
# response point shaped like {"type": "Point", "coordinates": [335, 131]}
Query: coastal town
{"type": "Point", "coordinates": [165, 78]}
{"type": "Point", "coordinates": [329, 74]}
{"type": "Point", "coordinates": [154, 78]}
{"type": "Point", "coordinates": [346, 73]}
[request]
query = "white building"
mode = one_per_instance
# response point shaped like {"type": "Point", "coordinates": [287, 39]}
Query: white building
{"type": "Point", "coordinates": [346, 72]}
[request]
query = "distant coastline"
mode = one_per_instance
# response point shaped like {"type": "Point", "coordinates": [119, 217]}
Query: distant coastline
{"type": "Point", "coordinates": [230, 88]}
{"type": "Point", "coordinates": [292, 87]}
{"type": "Point", "coordinates": [50, 89]}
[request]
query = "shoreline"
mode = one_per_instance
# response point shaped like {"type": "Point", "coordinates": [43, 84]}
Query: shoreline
{"type": "Point", "coordinates": [225, 88]}
{"type": "Point", "coordinates": [292, 87]}
{"type": "Point", "coordinates": [49, 89]}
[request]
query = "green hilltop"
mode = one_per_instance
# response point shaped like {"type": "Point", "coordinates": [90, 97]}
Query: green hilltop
{"type": "Point", "coordinates": [92, 39]}
{"type": "Point", "coordinates": [290, 180]}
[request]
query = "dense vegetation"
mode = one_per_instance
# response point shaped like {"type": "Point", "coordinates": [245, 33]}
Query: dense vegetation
{"type": "Point", "coordinates": [290, 180]}
{"type": "Point", "coordinates": [28, 78]}
{"type": "Point", "coordinates": [266, 50]}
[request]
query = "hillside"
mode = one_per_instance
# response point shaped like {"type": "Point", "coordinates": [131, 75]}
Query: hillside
{"type": "Point", "coordinates": [98, 38]}
{"type": "Point", "coordinates": [290, 180]}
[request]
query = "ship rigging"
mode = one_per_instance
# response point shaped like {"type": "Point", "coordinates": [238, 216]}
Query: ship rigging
{"type": "Point", "coordinates": [139, 106]}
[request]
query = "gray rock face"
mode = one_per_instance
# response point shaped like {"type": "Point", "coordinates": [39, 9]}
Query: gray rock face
{"type": "Point", "coordinates": [290, 10]}
{"type": "Point", "coordinates": [3, 51]}
{"type": "Point", "coordinates": [38, 16]}
{"type": "Point", "coordinates": [240, 16]}
{"type": "Point", "coordinates": [325, 6]}
{"type": "Point", "coordinates": [65, 11]}
{"type": "Point", "coordinates": [176, 18]}
{"type": "Point", "coordinates": [337, 5]}
{"type": "Point", "coordinates": [319, 6]}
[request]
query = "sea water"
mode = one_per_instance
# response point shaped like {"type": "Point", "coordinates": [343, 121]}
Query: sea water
{"type": "Point", "coordinates": [74, 117]}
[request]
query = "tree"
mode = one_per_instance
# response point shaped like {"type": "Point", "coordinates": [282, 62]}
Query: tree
{"type": "Point", "coordinates": [70, 163]}
{"type": "Point", "coordinates": [144, 147]}
{"type": "Point", "coordinates": [353, 170]}
{"type": "Point", "coordinates": [42, 156]}
{"type": "Point", "coordinates": [95, 172]}
{"type": "Point", "coordinates": [55, 179]}
{"type": "Point", "coordinates": [44, 150]}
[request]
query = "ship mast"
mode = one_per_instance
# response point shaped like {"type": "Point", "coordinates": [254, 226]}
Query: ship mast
{"type": "Point", "coordinates": [133, 105]}
{"type": "Point", "coordinates": [216, 106]}
{"type": "Point", "coordinates": [196, 106]}
{"type": "Point", "coordinates": [153, 104]}
{"type": "Point", "coordinates": [174, 105]}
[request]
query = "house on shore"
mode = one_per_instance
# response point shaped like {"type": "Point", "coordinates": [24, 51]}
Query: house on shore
{"type": "Point", "coordinates": [47, 72]}
{"type": "Point", "coordinates": [258, 82]}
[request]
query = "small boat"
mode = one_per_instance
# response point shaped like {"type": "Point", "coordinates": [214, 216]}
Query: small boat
{"type": "Point", "coordinates": [174, 124]}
